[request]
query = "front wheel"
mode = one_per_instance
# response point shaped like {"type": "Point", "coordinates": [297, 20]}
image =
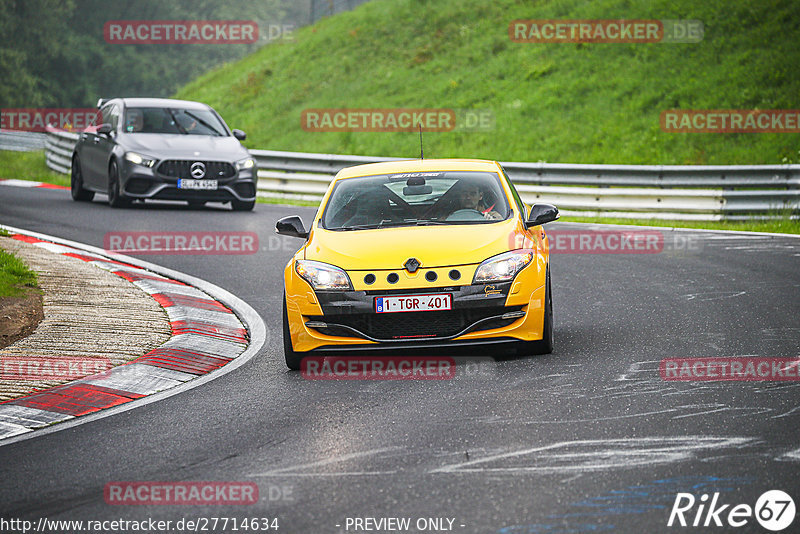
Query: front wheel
{"type": "Point", "coordinates": [544, 345]}
{"type": "Point", "coordinates": [293, 359]}
{"type": "Point", "coordinates": [79, 194]}
{"type": "Point", "coordinates": [115, 197]}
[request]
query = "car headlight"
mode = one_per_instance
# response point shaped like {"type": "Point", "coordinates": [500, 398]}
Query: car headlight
{"type": "Point", "coordinates": [322, 275]}
{"type": "Point", "coordinates": [139, 159]}
{"type": "Point", "coordinates": [246, 163]}
{"type": "Point", "coordinates": [502, 267]}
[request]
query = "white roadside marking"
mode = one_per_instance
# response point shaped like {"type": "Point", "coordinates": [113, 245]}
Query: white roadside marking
{"type": "Point", "coordinates": [288, 471]}
{"type": "Point", "coordinates": [597, 455]}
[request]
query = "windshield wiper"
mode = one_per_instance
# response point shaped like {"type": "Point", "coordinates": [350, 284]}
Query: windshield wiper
{"type": "Point", "coordinates": [204, 123]}
{"type": "Point", "coordinates": [411, 222]}
{"type": "Point", "coordinates": [388, 223]}
{"type": "Point", "coordinates": [430, 222]}
{"type": "Point", "coordinates": [177, 124]}
{"type": "Point", "coordinates": [355, 227]}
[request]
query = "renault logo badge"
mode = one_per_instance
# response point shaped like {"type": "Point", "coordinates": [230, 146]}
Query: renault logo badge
{"type": "Point", "coordinates": [412, 264]}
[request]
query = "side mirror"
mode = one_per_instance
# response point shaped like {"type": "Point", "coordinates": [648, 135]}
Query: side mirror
{"type": "Point", "coordinates": [541, 214]}
{"type": "Point", "coordinates": [238, 134]}
{"type": "Point", "coordinates": [291, 226]}
{"type": "Point", "coordinates": [104, 129]}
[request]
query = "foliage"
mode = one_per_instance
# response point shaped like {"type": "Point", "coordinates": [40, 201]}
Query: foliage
{"type": "Point", "coordinates": [567, 103]}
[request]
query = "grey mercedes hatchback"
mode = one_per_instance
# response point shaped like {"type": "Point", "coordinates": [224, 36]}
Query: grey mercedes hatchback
{"type": "Point", "coordinates": [162, 149]}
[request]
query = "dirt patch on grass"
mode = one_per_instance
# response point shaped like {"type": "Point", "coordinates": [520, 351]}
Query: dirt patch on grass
{"type": "Point", "coordinates": [19, 316]}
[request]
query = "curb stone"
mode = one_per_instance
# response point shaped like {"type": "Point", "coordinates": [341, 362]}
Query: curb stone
{"type": "Point", "coordinates": [206, 335]}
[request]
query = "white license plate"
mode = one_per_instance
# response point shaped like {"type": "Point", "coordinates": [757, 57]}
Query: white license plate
{"type": "Point", "coordinates": [196, 184]}
{"type": "Point", "coordinates": [412, 303]}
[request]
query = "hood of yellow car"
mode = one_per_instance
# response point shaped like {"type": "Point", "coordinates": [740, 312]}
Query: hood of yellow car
{"type": "Point", "coordinates": [389, 248]}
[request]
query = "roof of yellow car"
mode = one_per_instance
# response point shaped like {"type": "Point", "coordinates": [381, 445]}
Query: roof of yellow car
{"type": "Point", "coordinates": [419, 165]}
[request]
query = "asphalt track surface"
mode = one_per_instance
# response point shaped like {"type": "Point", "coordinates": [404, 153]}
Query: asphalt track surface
{"type": "Point", "coordinates": [587, 439]}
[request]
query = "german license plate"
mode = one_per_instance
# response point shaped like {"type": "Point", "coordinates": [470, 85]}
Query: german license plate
{"type": "Point", "coordinates": [412, 303]}
{"type": "Point", "coordinates": [184, 183]}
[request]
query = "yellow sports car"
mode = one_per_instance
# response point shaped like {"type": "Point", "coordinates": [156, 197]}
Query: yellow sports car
{"type": "Point", "coordinates": [419, 254]}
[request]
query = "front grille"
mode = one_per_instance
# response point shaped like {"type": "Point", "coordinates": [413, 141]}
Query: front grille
{"type": "Point", "coordinates": [414, 325]}
{"type": "Point", "coordinates": [181, 168]}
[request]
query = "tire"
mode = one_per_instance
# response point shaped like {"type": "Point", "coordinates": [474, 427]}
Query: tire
{"type": "Point", "coordinates": [115, 198]}
{"type": "Point", "coordinates": [293, 359]}
{"type": "Point", "coordinates": [79, 194]}
{"type": "Point", "coordinates": [243, 205]}
{"type": "Point", "coordinates": [544, 345]}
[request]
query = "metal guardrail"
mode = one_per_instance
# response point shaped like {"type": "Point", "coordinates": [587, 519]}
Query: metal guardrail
{"type": "Point", "coordinates": [22, 141]}
{"type": "Point", "coordinates": [58, 150]}
{"type": "Point", "coordinates": [678, 192]}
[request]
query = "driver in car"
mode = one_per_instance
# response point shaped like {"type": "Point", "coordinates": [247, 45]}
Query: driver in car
{"type": "Point", "coordinates": [470, 197]}
{"type": "Point", "coordinates": [135, 121]}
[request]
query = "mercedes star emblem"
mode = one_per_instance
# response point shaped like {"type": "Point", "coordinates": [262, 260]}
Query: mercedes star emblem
{"type": "Point", "coordinates": [198, 169]}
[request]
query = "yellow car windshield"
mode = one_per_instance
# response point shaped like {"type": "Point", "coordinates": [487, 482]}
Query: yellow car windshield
{"type": "Point", "coordinates": [416, 198]}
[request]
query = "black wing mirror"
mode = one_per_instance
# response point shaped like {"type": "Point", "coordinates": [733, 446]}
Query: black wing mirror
{"type": "Point", "coordinates": [541, 214]}
{"type": "Point", "coordinates": [238, 134]}
{"type": "Point", "coordinates": [104, 129]}
{"type": "Point", "coordinates": [291, 226]}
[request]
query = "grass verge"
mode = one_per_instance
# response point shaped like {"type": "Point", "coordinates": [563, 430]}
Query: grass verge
{"type": "Point", "coordinates": [555, 102]}
{"type": "Point", "coordinates": [29, 166]}
{"type": "Point", "coordinates": [779, 226]}
{"type": "Point", "coordinates": [15, 277]}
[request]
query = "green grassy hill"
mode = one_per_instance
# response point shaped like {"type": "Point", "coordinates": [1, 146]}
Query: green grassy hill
{"type": "Point", "coordinates": [582, 103]}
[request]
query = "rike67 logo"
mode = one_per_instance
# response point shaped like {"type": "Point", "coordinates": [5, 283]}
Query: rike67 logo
{"type": "Point", "coordinates": [774, 510]}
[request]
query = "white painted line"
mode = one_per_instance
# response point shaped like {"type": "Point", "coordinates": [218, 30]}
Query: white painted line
{"type": "Point", "coordinates": [19, 183]}
{"type": "Point", "coordinates": [792, 455]}
{"type": "Point", "coordinates": [8, 430]}
{"type": "Point", "coordinates": [287, 471]}
{"type": "Point", "coordinates": [30, 417]}
{"type": "Point", "coordinates": [337, 474]}
{"type": "Point", "coordinates": [598, 455]}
